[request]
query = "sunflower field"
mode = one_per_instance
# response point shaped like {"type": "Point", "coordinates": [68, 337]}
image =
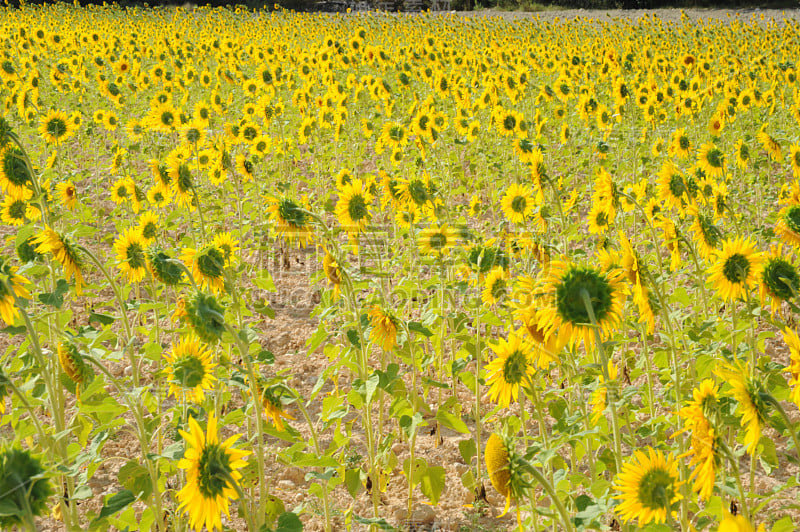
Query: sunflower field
{"type": "Point", "coordinates": [545, 272]}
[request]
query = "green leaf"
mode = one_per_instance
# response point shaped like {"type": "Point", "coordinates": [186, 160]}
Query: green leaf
{"type": "Point", "coordinates": [264, 281]}
{"type": "Point", "coordinates": [289, 522]}
{"type": "Point", "coordinates": [417, 327]}
{"type": "Point", "coordinates": [447, 419]}
{"type": "Point", "coordinates": [134, 477]}
{"type": "Point", "coordinates": [468, 450]}
{"type": "Point", "coordinates": [102, 319]}
{"type": "Point", "coordinates": [274, 508]}
{"type": "Point", "coordinates": [352, 479]}
{"type": "Point", "coordinates": [56, 297]}
{"type": "Point", "coordinates": [262, 307]}
{"type": "Point", "coordinates": [114, 504]}
{"type": "Point", "coordinates": [783, 525]}
{"type": "Point", "coordinates": [352, 335]}
{"type": "Point", "coordinates": [432, 484]}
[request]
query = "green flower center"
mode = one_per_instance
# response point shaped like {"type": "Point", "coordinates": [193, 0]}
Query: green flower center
{"type": "Point", "coordinates": [357, 208]}
{"type": "Point", "coordinates": [56, 127]}
{"type": "Point", "coordinates": [214, 470]}
{"type": "Point", "coordinates": [781, 279]}
{"type": "Point", "coordinates": [710, 233]}
{"type": "Point", "coordinates": [656, 490]}
{"type": "Point", "coordinates": [498, 288]}
{"type": "Point", "coordinates": [17, 210]}
{"type": "Point", "coordinates": [189, 371]}
{"type": "Point", "coordinates": [437, 241]}
{"type": "Point", "coordinates": [184, 178]}
{"type": "Point", "coordinates": [8, 67]}
{"type": "Point", "coordinates": [14, 167]}
{"type": "Point", "coordinates": [167, 118]}
{"type": "Point", "coordinates": [211, 262]}
{"type": "Point", "coordinates": [509, 123]}
{"type": "Point", "coordinates": [514, 368]}
{"type": "Point", "coordinates": [135, 256]}
{"type": "Point", "coordinates": [715, 158]}
{"type": "Point", "coordinates": [518, 204]}
{"type": "Point", "coordinates": [397, 133]}
{"type": "Point", "coordinates": [422, 123]}
{"type": "Point", "coordinates": [418, 192]}
{"type": "Point", "coordinates": [676, 186]}
{"type": "Point", "coordinates": [684, 143]}
{"type": "Point", "coordinates": [570, 296]}
{"type": "Point", "coordinates": [290, 211]}
{"type": "Point", "coordinates": [792, 218]}
{"type": "Point", "coordinates": [193, 135]}
{"type": "Point", "coordinates": [736, 268]}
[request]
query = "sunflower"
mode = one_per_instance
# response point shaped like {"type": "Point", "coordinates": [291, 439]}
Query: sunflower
{"type": "Point", "coordinates": [208, 267]}
{"type": "Point", "coordinates": [747, 393]}
{"type": "Point", "coordinates": [738, 523]}
{"type": "Point", "coordinates": [436, 239]}
{"type": "Point", "coordinates": [770, 145]}
{"type": "Point", "coordinates": [333, 273]}
{"type": "Point", "coordinates": [55, 127]}
{"type": "Point", "coordinates": [704, 451]}
{"type": "Point", "coordinates": [14, 209]}
{"type": "Point", "coordinates": [793, 341]}
{"type": "Point", "coordinates": [130, 248]}
{"type": "Point", "coordinates": [189, 371]}
{"type": "Point", "coordinates": [13, 286]}
{"type": "Point", "coordinates": [211, 475]}
{"type": "Point", "coordinates": [291, 220]}
{"type": "Point", "coordinates": [648, 487]}
{"type": "Point", "coordinates": [517, 203]}
{"type": "Point", "coordinates": [148, 226]}
{"type": "Point", "coordinates": [707, 236]}
{"type": "Point", "coordinates": [352, 209]}
{"type": "Point", "coordinates": [737, 268]}
{"type": "Point", "coordinates": [67, 194]}
{"type": "Point", "coordinates": [779, 280]}
{"type": "Point", "coordinates": [15, 176]}
{"type": "Point", "coordinates": [672, 187]}
{"type": "Point", "coordinates": [495, 286]}
{"type": "Point", "coordinates": [228, 245]}
{"type": "Point", "coordinates": [64, 252]}
{"type": "Point", "coordinates": [506, 469]}
{"type": "Point", "coordinates": [162, 267]}
{"type": "Point", "coordinates": [598, 400]}
{"type": "Point", "coordinates": [572, 295]}
{"type": "Point", "coordinates": [681, 146]}
{"type": "Point", "coordinates": [73, 365]}
{"type": "Point", "coordinates": [711, 160]}
{"type": "Point", "coordinates": [742, 154]}
{"type": "Point", "coordinates": [25, 488]}
{"type": "Point", "coordinates": [123, 190]}
{"type": "Point", "coordinates": [384, 328]}
{"type": "Point", "coordinates": [273, 407]}
{"type": "Point", "coordinates": [788, 225]}
{"type": "Point", "coordinates": [510, 370]}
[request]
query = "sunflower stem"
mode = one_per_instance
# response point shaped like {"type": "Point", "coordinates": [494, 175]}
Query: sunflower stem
{"type": "Point", "coordinates": [318, 450]}
{"type": "Point", "coordinates": [551, 492]}
{"type": "Point", "coordinates": [123, 311]}
{"type": "Point", "coordinates": [789, 425]}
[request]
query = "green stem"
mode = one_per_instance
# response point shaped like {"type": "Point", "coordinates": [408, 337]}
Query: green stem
{"type": "Point", "coordinates": [551, 492]}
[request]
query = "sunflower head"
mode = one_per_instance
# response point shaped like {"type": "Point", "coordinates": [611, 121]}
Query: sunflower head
{"type": "Point", "coordinates": [189, 370]}
{"type": "Point", "coordinates": [506, 468]}
{"type": "Point", "coordinates": [72, 364]}
{"type": "Point", "coordinates": [162, 267]}
{"type": "Point", "coordinates": [779, 279]}
{"type": "Point", "coordinates": [205, 316]}
{"type": "Point", "coordinates": [648, 487]}
{"type": "Point", "coordinates": [24, 486]}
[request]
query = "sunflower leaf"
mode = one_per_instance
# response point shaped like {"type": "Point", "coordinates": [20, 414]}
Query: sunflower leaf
{"type": "Point", "coordinates": [117, 502]}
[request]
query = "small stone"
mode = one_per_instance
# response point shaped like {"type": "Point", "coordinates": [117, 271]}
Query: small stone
{"type": "Point", "coordinates": [398, 448]}
{"type": "Point", "coordinates": [469, 497]}
{"type": "Point", "coordinates": [128, 371]}
{"type": "Point", "coordinates": [294, 475]}
{"type": "Point", "coordinates": [460, 468]}
{"type": "Point", "coordinates": [286, 485]}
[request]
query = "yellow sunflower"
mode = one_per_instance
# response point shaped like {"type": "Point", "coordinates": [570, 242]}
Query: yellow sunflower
{"type": "Point", "coordinates": [495, 286]}
{"type": "Point", "coordinates": [793, 341]}
{"type": "Point", "coordinates": [569, 291]}
{"type": "Point", "coordinates": [770, 145]}
{"type": "Point", "coordinates": [189, 370]}
{"type": "Point", "coordinates": [67, 194]}
{"type": "Point", "coordinates": [273, 407]}
{"type": "Point", "coordinates": [291, 221]}
{"type": "Point", "coordinates": [704, 451]}
{"type": "Point", "coordinates": [648, 487]}
{"type": "Point", "coordinates": [12, 287]}
{"type": "Point", "coordinates": [130, 248]}
{"type": "Point", "coordinates": [384, 328]}
{"type": "Point", "coordinates": [779, 279]}
{"type": "Point", "coordinates": [436, 240]}
{"type": "Point", "coordinates": [333, 273]}
{"type": "Point", "coordinates": [788, 225]}
{"type": "Point", "coordinates": [681, 146]}
{"type": "Point", "coordinates": [208, 267]}
{"type": "Point", "coordinates": [64, 252]}
{"type": "Point", "coordinates": [747, 393]}
{"type": "Point", "coordinates": [211, 475]}
{"type": "Point", "coordinates": [711, 160]}
{"type": "Point", "coordinates": [55, 127]}
{"type": "Point", "coordinates": [352, 209]}
{"type": "Point", "coordinates": [510, 369]}
{"type": "Point", "coordinates": [737, 268]}
{"type": "Point", "coordinates": [517, 203]}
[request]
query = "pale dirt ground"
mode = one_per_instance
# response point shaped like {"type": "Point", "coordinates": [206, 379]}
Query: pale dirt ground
{"type": "Point", "coordinates": [286, 337]}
